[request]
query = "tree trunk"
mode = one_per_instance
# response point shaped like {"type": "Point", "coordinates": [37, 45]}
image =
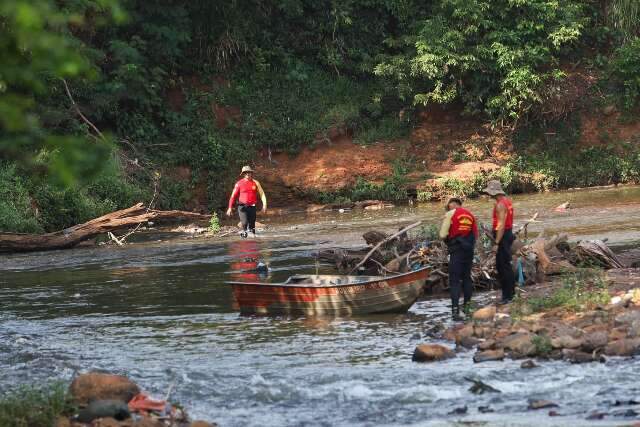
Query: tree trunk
{"type": "Point", "coordinates": [69, 237]}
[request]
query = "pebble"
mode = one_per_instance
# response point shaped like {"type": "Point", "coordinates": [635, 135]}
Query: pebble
{"type": "Point", "coordinates": [541, 404]}
{"type": "Point", "coordinates": [459, 411]}
{"type": "Point", "coordinates": [528, 364]}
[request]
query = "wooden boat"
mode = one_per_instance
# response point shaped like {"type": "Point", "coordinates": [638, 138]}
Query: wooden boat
{"type": "Point", "coordinates": [331, 295]}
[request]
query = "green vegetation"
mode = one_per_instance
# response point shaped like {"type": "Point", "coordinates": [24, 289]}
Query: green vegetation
{"type": "Point", "coordinates": [214, 223]}
{"type": "Point", "coordinates": [624, 70]}
{"type": "Point", "coordinates": [579, 291]}
{"type": "Point", "coordinates": [35, 406]}
{"type": "Point", "coordinates": [102, 100]}
{"type": "Point", "coordinates": [542, 343]}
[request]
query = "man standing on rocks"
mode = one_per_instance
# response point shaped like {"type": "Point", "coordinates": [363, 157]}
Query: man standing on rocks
{"type": "Point", "coordinates": [503, 238]}
{"type": "Point", "coordinates": [460, 230]}
{"type": "Point", "coordinates": [246, 192]}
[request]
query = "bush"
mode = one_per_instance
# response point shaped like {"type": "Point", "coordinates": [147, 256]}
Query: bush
{"type": "Point", "coordinates": [625, 70]}
{"type": "Point", "coordinates": [35, 406]}
{"type": "Point", "coordinates": [214, 223]}
{"type": "Point", "coordinates": [17, 213]}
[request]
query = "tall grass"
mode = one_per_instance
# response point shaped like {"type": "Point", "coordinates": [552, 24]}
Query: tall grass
{"type": "Point", "coordinates": [29, 406]}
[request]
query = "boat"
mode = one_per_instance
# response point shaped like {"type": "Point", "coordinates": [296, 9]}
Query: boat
{"type": "Point", "coordinates": [331, 295]}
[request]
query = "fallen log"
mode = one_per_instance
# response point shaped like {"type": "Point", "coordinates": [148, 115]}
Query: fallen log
{"type": "Point", "coordinates": [70, 237]}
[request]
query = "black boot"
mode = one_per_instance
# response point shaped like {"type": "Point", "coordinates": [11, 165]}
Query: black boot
{"type": "Point", "coordinates": [455, 314]}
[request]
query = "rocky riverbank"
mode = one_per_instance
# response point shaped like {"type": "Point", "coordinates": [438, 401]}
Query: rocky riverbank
{"type": "Point", "coordinates": [585, 321]}
{"type": "Point", "coordinates": [104, 400]}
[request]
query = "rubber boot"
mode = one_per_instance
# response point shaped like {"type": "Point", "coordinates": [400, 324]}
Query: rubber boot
{"type": "Point", "coordinates": [466, 308]}
{"type": "Point", "coordinates": [455, 313]}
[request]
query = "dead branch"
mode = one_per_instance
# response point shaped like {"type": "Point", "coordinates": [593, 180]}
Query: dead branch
{"type": "Point", "coordinates": [376, 247]}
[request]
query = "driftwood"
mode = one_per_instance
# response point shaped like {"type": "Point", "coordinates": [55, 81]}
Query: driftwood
{"type": "Point", "coordinates": [597, 254]}
{"type": "Point", "coordinates": [376, 247]}
{"type": "Point", "coordinates": [69, 237]}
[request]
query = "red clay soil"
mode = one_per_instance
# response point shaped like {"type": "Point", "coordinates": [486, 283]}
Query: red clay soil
{"type": "Point", "coordinates": [604, 127]}
{"type": "Point", "coordinates": [337, 163]}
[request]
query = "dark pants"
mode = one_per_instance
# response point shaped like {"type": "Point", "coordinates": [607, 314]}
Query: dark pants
{"type": "Point", "coordinates": [247, 216]}
{"type": "Point", "coordinates": [506, 277]}
{"type": "Point", "coordinates": [460, 262]}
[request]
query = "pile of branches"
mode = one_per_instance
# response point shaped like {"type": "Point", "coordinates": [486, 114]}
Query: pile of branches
{"type": "Point", "coordinates": [398, 253]}
{"type": "Point", "coordinates": [532, 260]}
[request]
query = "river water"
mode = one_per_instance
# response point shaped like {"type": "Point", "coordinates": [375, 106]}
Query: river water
{"type": "Point", "coordinates": [159, 312]}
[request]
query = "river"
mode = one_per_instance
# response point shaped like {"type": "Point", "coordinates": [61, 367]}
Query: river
{"type": "Point", "coordinates": [159, 312]}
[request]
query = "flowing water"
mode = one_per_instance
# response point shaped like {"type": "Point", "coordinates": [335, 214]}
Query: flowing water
{"type": "Point", "coordinates": [159, 312]}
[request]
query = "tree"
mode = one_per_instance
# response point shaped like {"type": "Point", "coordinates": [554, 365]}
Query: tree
{"type": "Point", "coordinates": [38, 52]}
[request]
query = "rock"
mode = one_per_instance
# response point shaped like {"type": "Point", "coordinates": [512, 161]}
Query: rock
{"type": "Point", "coordinates": [596, 415]}
{"type": "Point", "coordinates": [488, 355]}
{"type": "Point", "coordinates": [449, 334]}
{"type": "Point", "coordinates": [480, 387]}
{"type": "Point", "coordinates": [459, 411]}
{"type": "Point", "coordinates": [528, 364]}
{"type": "Point", "coordinates": [202, 424]}
{"type": "Point", "coordinates": [556, 354]}
{"type": "Point", "coordinates": [590, 318]}
{"type": "Point", "coordinates": [627, 413]}
{"type": "Point", "coordinates": [577, 356]}
{"type": "Point", "coordinates": [618, 334]}
{"type": "Point", "coordinates": [607, 110]}
{"type": "Point", "coordinates": [519, 345]}
{"type": "Point", "coordinates": [105, 422]}
{"type": "Point", "coordinates": [565, 341]}
{"type": "Point", "coordinates": [463, 332]}
{"type": "Point", "coordinates": [541, 404]}
{"type": "Point", "coordinates": [97, 386]}
{"type": "Point", "coordinates": [500, 334]}
{"type": "Point", "coordinates": [623, 347]}
{"type": "Point", "coordinates": [634, 330]}
{"type": "Point", "coordinates": [148, 422]}
{"type": "Point", "coordinates": [62, 422]}
{"type": "Point", "coordinates": [104, 409]}
{"type": "Point", "coordinates": [617, 300]}
{"type": "Point", "coordinates": [432, 353]}
{"type": "Point", "coordinates": [595, 340]}
{"type": "Point", "coordinates": [487, 345]}
{"type": "Point", "coordinates": [625, 403]}
{"type": "Point", "coordinates": [485, 314]}
{"type": "Point", "coordinates": [468, 342]}
{"type": "Point", "coordinates": [627, 317]}
{"type": "Point", "coordinates": [481, 331]}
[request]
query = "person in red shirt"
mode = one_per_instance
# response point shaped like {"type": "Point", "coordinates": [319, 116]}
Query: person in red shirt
{"type": "Point", "coordinates": [246, 193]}
{"type": "Point", "coordinates": [503, 235]}
{"type": "Point", "coordinates": [460, 231]}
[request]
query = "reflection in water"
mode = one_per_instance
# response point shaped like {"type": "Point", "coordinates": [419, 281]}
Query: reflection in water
{"type": "Point", "coordinates": [245, 256]}
{"type": "Point", "coordinates": [161, 313]}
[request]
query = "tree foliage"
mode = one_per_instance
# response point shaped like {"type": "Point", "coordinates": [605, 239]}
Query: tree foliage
{"type": "Point", "coordinates": [151, 78]}
{"type": "Point", "coordinates": [492, 56]}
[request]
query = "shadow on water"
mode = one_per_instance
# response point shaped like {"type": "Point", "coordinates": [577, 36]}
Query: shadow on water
{"type": "Point", "coordinates": [160, 312]}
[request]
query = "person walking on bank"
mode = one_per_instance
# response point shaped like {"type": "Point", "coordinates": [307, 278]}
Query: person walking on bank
{"type": "Point", "coordinates": [246, 192]}
{"type": "Point", "coordinates": [459, 230]}
{"type": "Point", "coordinates": [503, 236]}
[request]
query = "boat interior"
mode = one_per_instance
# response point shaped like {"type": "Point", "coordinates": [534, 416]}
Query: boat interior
{"type": "Point", "coordinates": [328, 279]}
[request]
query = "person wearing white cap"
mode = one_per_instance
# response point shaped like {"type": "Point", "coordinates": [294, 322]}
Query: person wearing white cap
{"type": "Point", "coordinates": [246, 192]}
{"type": "Point", "coordinates": [503, 236]}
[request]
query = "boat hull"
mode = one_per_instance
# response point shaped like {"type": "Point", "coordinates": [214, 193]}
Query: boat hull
{"type": "Point", "coordinates": [380, 295]}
